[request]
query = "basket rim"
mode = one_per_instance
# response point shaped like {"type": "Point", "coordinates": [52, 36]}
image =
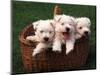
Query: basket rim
{"type": "Point", "coordinates": [21, 37]}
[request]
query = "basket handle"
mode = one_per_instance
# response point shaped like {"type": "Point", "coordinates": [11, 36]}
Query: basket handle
{"type": "Point", "coordinates": [22, 38]}
{"type": "Point", "coordinates": [57, 10]}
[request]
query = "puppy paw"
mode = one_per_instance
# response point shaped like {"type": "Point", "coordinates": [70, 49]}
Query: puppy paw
{"type": "Point", "coordinates": [69, 47]}
{"type": "Point", "coordinates": [56, 49]}
{"type": "Point", "coordinates": [68, 51]}
{"type": "Point", "coordinates": [29, 38]}
{"type": "Point", "coordinates": [35, 52]}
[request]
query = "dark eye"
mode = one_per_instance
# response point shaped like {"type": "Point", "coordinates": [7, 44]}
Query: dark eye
{"type": "Point", "coordinates": [80, 27]}
{"type": "Point", "coordinates": [62, 23]}
{"type": "Point", "coordinates": [41, 31]}
{"type": "Point", "coordinates": [50, 32]}
{"type": "Point", "coordinates": [70, 24]}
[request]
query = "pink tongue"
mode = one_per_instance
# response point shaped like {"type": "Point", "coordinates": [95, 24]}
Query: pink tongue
{"type": "Point", "coordinates": [66, 36]}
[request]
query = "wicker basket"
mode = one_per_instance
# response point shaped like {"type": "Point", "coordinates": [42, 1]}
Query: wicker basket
{"type": "Point", "coordinates": [52, 61]}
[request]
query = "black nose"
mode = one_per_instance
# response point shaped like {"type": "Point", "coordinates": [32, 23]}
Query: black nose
{"type": "Point", "coordinates": [67, 29]}
{"type": "Point", "coordinates": [46, 38]}
{"type": "Point", "coordinates": [86, 32]}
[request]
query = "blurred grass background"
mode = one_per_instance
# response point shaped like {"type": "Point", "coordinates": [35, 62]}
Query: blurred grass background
{"type": "Point", "coordinates": [24, 13]}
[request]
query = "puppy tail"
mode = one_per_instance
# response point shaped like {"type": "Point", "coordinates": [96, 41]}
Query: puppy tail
{"type": "Point", "coordinates": [57, 10]}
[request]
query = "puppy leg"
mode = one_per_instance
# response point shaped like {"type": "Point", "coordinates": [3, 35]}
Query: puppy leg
{"type": "Point", "coordinates": [32, 38]}
{"type": "Point", "coordinates": [70, 45]}
{"type": "Point", "coordinates": [38, 48]}
{"type": "Point", "coordinates": [57, 45]}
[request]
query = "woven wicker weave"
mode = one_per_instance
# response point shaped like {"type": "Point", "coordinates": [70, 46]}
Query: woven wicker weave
{"type": "Point", "coordinates": [49, 60]}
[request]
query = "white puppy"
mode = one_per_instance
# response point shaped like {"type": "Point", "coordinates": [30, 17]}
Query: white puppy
{"type": "Point", "coordinates": [82, 27]}
{"type": "Point", "coordinates": [65, 33]}
{"type": "Point", "coordinates": [44, 34]}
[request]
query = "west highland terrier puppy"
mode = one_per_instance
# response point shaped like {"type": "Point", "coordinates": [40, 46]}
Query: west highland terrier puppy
{"type": "Point", "coordinates": [82, 27]}
{"type": "Point", "coordinates": [44, 34]}
{"type": "Point", "coordinates": [64, 33]}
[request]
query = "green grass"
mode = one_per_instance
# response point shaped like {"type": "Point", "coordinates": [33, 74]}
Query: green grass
{"type": "Point", "coordinates": [24, 13]}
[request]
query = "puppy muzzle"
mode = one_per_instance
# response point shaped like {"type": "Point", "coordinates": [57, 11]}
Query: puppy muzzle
{"type": "Point", "coordinates": [46, 39]}
{"type": "Point", "coordinates": [68, 30]}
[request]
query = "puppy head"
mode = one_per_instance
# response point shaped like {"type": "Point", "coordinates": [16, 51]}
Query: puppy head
{"type": "Point", "coordinates": [64, 24]}
{"type": "Point", "coordinates": [83, 26]}
{"type": "Point", "coordinates": [44, 30]}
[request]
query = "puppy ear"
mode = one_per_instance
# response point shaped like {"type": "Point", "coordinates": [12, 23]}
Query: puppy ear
{"type": "Point", "coordinates": [88, 20]}
{"type": "Point", "coordinates": [35, 24]}
{"type": "Point", "coordinates": [77, 20]}
{"type": "Point", "coordinates": [83, 18]}
{"type": "Point", "coordinates": [52, 23]}
{"type": "Point", "coordinates": [73, 21]}
{"type": "Point", "coordinates": [57, 18]}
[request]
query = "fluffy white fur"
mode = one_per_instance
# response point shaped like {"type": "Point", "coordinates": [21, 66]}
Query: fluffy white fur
{"type": "Point", "coordinates": [82, 27]}
{"type": "Point", "coordinates": [44, 34]}
{"type": "Point", "coordinates": [65, 33]}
